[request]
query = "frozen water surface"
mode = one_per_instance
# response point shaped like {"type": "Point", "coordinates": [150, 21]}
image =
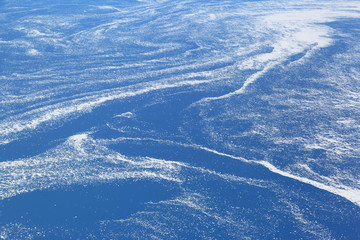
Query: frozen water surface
{"type": "Point", "coordinates": [182, 119]}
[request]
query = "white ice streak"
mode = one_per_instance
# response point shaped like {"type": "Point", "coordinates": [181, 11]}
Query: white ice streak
{"type": "Point", "coordinates": [349, 193]}
{"type": "Point", "coordinates": [248, 81]}
{"type": "Point", "coordinates": [292, 32]}
{"type": "Point", "coordinates": [9, 128]}
{"type": "Point", "coordinates": [80, 160]}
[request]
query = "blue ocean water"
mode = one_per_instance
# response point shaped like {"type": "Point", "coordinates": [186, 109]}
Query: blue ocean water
{"type": "Point", "coordinates": [185, 119]}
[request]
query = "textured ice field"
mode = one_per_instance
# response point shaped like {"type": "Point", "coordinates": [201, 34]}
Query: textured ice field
{"type": "Point", "coordinates": [179, 119]}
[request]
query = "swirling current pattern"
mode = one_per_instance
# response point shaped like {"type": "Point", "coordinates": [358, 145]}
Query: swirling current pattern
{"type": "Point", "coordinates": [183, 119]}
